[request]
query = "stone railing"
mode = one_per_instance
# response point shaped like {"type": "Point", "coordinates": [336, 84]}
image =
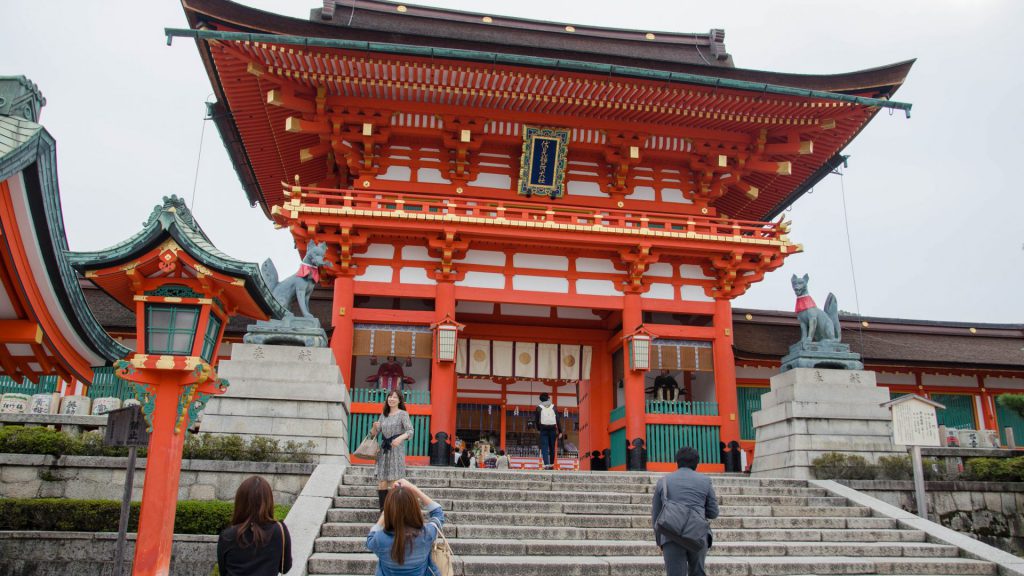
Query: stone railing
{"type": "Point", "coordinates": [95, 477]}
{"type": "Point", "coordinates": [989, 511]}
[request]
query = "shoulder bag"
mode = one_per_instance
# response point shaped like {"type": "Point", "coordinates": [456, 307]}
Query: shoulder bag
{"type": "Point", "coordinates": [283, 551]}
{"type": "Point", "coordinates": [442, 556]}
{"type": "Point", "coordinates": [682, 524]}
{"type": "Point", "coordinates": [368, 448]}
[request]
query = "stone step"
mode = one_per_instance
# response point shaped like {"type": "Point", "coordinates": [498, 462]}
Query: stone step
{"type": "Point", "coordinates": [489, 565]}
{"type": "Point", "coordinates": [807, 496]}
{"type": "Point", "coordinates": [505, 547]}
{"type": "Point", "coordinates": [364, 475]}
{"type": "Point", "coordinates": [507, 504]}
{"type": "Point", "coordinates": [512, 515]}
{"type": "Point", "coordinates": [740, 529]}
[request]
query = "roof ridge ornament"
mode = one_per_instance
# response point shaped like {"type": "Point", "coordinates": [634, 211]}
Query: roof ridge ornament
{"type": "Point", "coordinates": [20, 98]}
{"type": "Point", "coordinates": [174, 205]}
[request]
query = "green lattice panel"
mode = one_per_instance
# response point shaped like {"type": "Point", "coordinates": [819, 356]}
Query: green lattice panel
{"type": "Point", "coordinates": [617, 457]}
{"type": "Point", "coordinates": [1008, 418]}
{"type": "Point", "coordinates": [617, 414]}
{"type": "Point", "coordinates": [959, 412]}
{"type": "Point", "coordinates": [359, 425]}
{"type": "Point", "coordinates": [46, 385]}
{"type": "Point", "coordinates": [105, 383]}
{"type": "Point", "coordinates": [377, 396]}
{"type": "Point", "coordinates": [682, 408]}
{"type": "Point", "coordinates": [664, 440]}
{"type": "Point", "coordinates": [749, 400]}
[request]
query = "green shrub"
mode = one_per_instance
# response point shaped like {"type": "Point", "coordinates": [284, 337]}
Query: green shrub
{"type": "Point", "coordinates": [995, 469]}
{"type": "Point", "coordinates": [34, 440]}
{"type": "Point", "coordinates": [1014, 402]}
{"type": "Point", "coordinates": [837, 466]}
{"type": "Point", "coordinates": [42, 440]}
{"type": "Point", "coordinates": [58, 514]}
{"type": "Point", "coordinates": [895, 468]}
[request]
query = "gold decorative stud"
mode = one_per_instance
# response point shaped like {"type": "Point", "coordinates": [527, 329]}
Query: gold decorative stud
{"type": "Point", "coordinates": [620, 204]}
{"type": "Point", "coordinates": [458, 190]}
{"type": "Point", "coordinates": [570, 28]}
{"type": "Point", "coordinates": [650, 36]}
{"type": "Point", "coordinates": [366, 183]}
{"type": "Point", "coordinates": [487, 19]}
{"type": "Point", "coordinates": [974, 330]}
{"type": "Point", "coordinates": [401, 8]}
{"type": "Point", "coordinates": [749, 316]}
{"type": "Point", "coordinates": [864, 323]}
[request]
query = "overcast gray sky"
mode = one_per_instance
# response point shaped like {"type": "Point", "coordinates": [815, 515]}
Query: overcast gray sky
{"type": "Point", "coordinates": [935, 218]}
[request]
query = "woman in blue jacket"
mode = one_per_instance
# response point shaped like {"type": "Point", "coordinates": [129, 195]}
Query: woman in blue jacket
{"type": "Point", "coordinates": [401, 539]}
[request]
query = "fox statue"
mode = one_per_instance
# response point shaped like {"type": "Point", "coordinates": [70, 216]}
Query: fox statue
{"type": "Point", "coordinates": [815, 325]}
{"type": "Point", "coordinates": [298, 287]}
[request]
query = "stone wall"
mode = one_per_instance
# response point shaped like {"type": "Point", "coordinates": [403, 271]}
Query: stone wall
{"type": "Point", "coordinates": [89, 554]}
{"type": "Point", "coordinates": [92, 477]}
{"type": "Point", "coordinates": [988, 511]}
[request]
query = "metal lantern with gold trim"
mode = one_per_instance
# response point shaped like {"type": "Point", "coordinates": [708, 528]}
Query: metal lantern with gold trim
{"type": "Point", "coordinates": [446, 338]}
{"type": "Point", "coordinates": [638, 348]}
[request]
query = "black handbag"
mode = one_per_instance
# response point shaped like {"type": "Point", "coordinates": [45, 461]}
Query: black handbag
{"type": "Point", "coordinates": [682, 524]}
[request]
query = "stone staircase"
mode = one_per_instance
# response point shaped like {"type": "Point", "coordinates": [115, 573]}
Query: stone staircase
{"type": "Point", "coordinates": [517, 523]}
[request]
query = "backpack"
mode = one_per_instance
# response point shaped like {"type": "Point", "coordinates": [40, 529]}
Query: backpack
{"type": "Point", "coordinates": [547, 416]}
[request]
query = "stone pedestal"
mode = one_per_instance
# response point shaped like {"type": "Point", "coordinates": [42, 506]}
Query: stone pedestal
{"type": "Point", "coordinates": [810, 412]}
{"type": "Point", "coordinates": [286, 393]}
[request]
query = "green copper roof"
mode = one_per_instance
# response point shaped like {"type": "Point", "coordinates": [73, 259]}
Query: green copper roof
{"type": "Point", "coordinates": [173, 219]}
{"type": "Point", "coordinates": [522, 60]}
{"type": "Point", "coordinates": [27, 147]}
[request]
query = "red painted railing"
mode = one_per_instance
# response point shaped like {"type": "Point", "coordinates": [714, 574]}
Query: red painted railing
{"type": "Point", "coordinates": [499, 210]}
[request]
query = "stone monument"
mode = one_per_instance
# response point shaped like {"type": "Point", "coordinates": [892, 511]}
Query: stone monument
{"type": "Point", "coordinates": [284, 381]}
{"type": "Point", "coordinates": [822, 401]}
{"type": "Point", "coordinates": [293, 330]}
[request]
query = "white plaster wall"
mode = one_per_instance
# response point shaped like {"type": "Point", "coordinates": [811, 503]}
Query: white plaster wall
{"type": "Point", "coordinates": [895, 378]}
{"type": "Point", "coordinates": [482, 280]}
{"type": "Point", "coordinates": [397, 173]}
{"type": "Point", "coordinates": [660, 291]}
{"type": "Point", "coordinates": [756, 372]}
{"type": "Point", "coordinates": [417, 253]}
{"type": "Point", "coordinates": [584, 188]}
{"type": "Point", "coordinates": [490, 180]}
{"type": "Point", "coordinates": [642, 193]}
{"type": "Point", "coordinates": [660, 270]}
{"type": "Point", "coordinates": [704, 387]}
{"type": "Point", "coordinates": [384, 251]}
{"type": "Point", "coordinates": [540, 284]}
{"type": "Point", "coordinates": [376, 274]}
{"type": "Point", "coordinates": [540, 261]}
{"type": "Point", "coordinates": [947, 380]}
{"type": "Point", "coordinates": [415, 276]}
{"type": "Point", "coordinates": [675, 196]}
{"type": "Point", "coordinates": [691, 271]}
{"type": "Point", "coordinates": [484, 258]}
{"type": "Point", "coordinates": [595, 265]}
{"type": "Point", "coordinates": [576, 313]}
{"type": "Point", "coordinates": [992, 382]}
{"type": "Point", "coordinates": [695, 293]}
{"type": "Point", "coordinates": [596, 288]}
{"type": "Point", "coordinates": [431, 176]}
{"type": "Point", "coordinates": [525, 310]}
{"type": "Point", "coordinates": [466, 307]}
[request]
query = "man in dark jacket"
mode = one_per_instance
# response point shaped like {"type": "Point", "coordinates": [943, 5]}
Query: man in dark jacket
{"type": "Point", "coordinates": [546, 420]}
{"type": "Point", "coordinates": [691, 489]}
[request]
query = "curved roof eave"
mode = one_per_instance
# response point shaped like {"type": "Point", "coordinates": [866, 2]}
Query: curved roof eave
{"type": "Point", "coordinates": [169, 222]}
{"type": "Point", "coordinates": [36, 159]}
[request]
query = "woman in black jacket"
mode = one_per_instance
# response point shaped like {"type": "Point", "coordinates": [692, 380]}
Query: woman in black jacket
{"type": "Point", "coordinates": [254, 544]}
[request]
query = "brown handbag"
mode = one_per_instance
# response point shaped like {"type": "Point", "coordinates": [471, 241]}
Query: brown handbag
{"type": "Point", "coordinates": [279, 525]}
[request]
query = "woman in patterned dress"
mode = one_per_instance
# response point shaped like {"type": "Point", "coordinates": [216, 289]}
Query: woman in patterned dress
{"type": "Point", "coordinates": [394, 428]}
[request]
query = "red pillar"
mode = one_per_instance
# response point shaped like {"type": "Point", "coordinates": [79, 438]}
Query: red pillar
{"type": "Point", "coordinates": [442, 374]}
{"type": "Point", "coordinates": [341, 321]}
{"type": "Point", "coordinates": [987, 413]}
{"type": "Point", "coordinates": [636, 398]}
{"type": "Point", "coordinates": [725, 372]}
{"type": "Point", "coordinates": [160, 488]}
